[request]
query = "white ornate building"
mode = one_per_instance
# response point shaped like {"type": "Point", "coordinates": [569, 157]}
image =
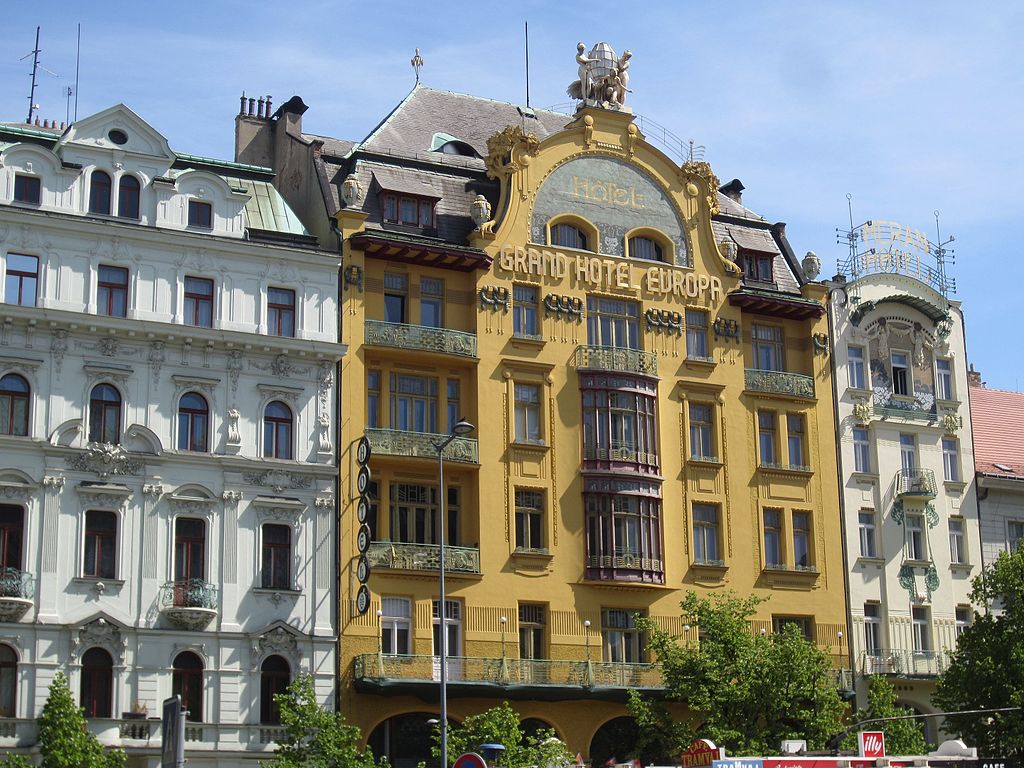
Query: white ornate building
{"type": "Point", "coordinates": [168, 360]}
{"type": "Point", "coordinates": [906, 458]}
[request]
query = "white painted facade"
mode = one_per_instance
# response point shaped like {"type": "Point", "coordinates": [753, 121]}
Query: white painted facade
{"type": "Point", "coordinates": [912, 537]}
{"type": "Point", "coordinates": [164, 592]}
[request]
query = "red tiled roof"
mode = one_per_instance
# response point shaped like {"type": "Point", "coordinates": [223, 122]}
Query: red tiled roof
{"type": "Point", "coordinates": [997, 418]}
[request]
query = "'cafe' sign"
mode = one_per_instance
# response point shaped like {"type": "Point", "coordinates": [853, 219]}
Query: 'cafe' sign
{"type": "Point", "coordinates": [700, 754]}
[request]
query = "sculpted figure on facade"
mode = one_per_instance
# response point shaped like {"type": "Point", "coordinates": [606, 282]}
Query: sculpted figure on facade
{"type": "Point", "coordinates": [603, 77]}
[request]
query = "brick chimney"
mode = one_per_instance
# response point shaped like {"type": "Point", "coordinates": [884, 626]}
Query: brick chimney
{"type": "Point", "coordinates": [254, 133]}
{"type": "Point", "coordinates": [733, 190]}
{"type": "Point", "coordinates": [974, 377]}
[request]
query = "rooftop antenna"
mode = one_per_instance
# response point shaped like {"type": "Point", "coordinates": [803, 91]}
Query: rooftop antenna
{"type": "Point", "coordinates": [78, 59]}
{"type": "Point", "coordinates": [946, 284]}
{"type": "Point", "coordinates": [417, 63]}
{"type": "Point", "coordinates": [526, 27]}
{"type": "Point", "coordinates": [34, 53]}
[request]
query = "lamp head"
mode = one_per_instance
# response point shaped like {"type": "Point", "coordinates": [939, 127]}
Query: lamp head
{"type": "Point", "coordinates": [462, 428]}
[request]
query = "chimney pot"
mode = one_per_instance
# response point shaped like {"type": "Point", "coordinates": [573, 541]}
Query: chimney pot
{"type": "Point", "coordinates": [268, 107]}
{"type": "Point", "coordinates": [241, 105]}
{"type": "Point", "coordinates": [259, 107]}
{"type": "Point", "coordinates": [733, 190]}
{"type": "Point", "coordinates": [252, 106]}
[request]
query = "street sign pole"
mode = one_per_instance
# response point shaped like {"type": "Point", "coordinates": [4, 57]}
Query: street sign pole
{"type": "Point", "coordinates": [172, 753]}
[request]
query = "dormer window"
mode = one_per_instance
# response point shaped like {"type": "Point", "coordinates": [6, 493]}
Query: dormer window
{"type": "Point", "coordinates": [128, 190]}
{"type": "Point", "coordinates": [458, 148]}
{"type": "Point", "coordinates": [99, 193]}
{"type": "Point", "coordinates": [407, 210]}
{"type": "Point", "coordinates": [757, 266]}
{"type": "Point", "coordinates": [28, 189]}
{"type": "Point", "coordinates": [200, 214]}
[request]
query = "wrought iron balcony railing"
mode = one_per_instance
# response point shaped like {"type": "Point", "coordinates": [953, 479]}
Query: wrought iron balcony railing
{"type": "Point", "coordinates": [420, 337]}
{"type": "Point", "coordinates": [399, 442]}
{"type": "Point", "coordinates": [918, 483]}
{"type": "Point", "coordinates": [423, 557]}
{"type": "Point", "coordinates": [508, 671]}
{"type": "Point", "coordinates": [17, 589]}
{"type": "Point", "coordinates": [903, 662]}
{"type": "Point", "coordinates": [190, 604]}
{"type": "Point", "coordinates": [780, 383]}
{"type": "Point", "coordinates": [617, 359]}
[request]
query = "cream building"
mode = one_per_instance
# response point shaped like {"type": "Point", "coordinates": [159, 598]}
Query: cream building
{"type": "Point", "coordinates": [168, 369]}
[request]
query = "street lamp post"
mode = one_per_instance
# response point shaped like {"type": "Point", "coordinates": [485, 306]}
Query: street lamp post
{"type": "Point", "coordinates": [460, 429]}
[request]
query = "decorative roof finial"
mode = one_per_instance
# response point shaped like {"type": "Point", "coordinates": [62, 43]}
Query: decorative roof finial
{"type": "Point", "coordinates": [417, 62]}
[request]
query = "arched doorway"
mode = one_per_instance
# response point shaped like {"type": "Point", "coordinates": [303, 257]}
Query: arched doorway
{"type": "Point", "coordinates": [406, 740]}
{"type": "Point", "coordinates": [531, 726]}
{"type": "Point", "coordinates": [615, 739]}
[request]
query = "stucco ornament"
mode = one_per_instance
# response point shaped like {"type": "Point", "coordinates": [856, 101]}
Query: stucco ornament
{"type": "Point", "coordinates": [509, 150]}
{"type": "Point", "coordinates": [480, 210]}
{"type": "Point", "coordinates": [811, 265]}
{"type": "Point", "coordinates": [862, 411]}
{"type": "Point", "coordinates": [951, 423]}
{"type": "Point", "coordinates": [350, 191]}
{"type": "Point", "coordinates": [105, 460]}
{"type": "Point", "coordinates": [603, 78]}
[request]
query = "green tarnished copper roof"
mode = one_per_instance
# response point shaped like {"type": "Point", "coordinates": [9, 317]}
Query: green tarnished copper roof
{"type": "Point", "coordinates": [266, 209]}
{"type": "Point", "coordinates": [186, 160]}
{"type": "Point", "coordinates": [25, 130]}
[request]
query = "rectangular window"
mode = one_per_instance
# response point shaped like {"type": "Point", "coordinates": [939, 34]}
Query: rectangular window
{"type": "Point", "coordinates": [22, 280]}
{"type": "Point", "coordinates": [100, 545]}
{"type": "Point", "coordinates": [431, 302]}
{"type": "Point", "coordinates": [527, 413]}
{"type": "Point", "coordinates": [621, 639]}
{"type": "Point", "coordinates": [410, 211]}
{"type": "Point", "coordinates": [802, 540]}
{"type": "Point", "coordinates": [855, 362]}
{"type": "Point", "coordinates": [112, 291]}
{"type": "Point", "coordinates": [861, 451]}
{"type": "Point", "coordinates": [28, 189]}
{"type": "Point", "coordinates": [950, 460]}
{"type": "Point", "coordinates": [872, 629]}
{"type": "Point", "coordinates": [766, 437]}
{"type": "Point", "coordinates": [957, 547]}
{"type": "Point", "coordinates": [200, 214]}
{"type": "Point", "coordinates": [773, 538]}
{"type": "Point", "coordinates": [697, 335]}
{"type": "Point", "coordinates": [280, 312]}
{"type": "Point", "coordinates": [705, 533]}
{"type": "Point", "coordinates": [373, 399]}
{"type": "Point", "coordinates": [900, 373]}
{"type": "Point", "coordinates": [795, 439]}
{"type": "Point", "coordinates": [1014, 534]}
{"type": "Point", "coordinates": [921, 628]}
{"type": "Point", "coordinates": [277, 556]}
{"type": "Point", "coordinates": [395, 625]}
{"type": "Point", "coordinates": [396, 292]}
{"type": "Point", "coordinates": [803, 624]}
{"type": "Point", "coordinates": [389, 207]}
{"type": "Point", "coordinates": [529, 519]}
{"type": "Point", "coordinates": [701, 432]}
{"type": "Point", "coordinates": [413, 403]}
{"type": "Point", "coordinates": [613, 323]}
{"type": "Point", "coordinates": [915, 537]}
{"type": "Point", "coordinates": [908, 452]}
{"type": "Point", "coordinates": [768, 350]}
{"type": "Point", "coordinates": [454, 404]}
{"type": "Point", "coordinates": [943, 379]}
{"type": "Point", "coordinates": [964, 616]}
{"type": "Point", "coordinates": [189, 552]}
{"type": "Point", "coordinates": [757, 267]}
{"type": "Point", "coordinates": [525, 311]}
{"type": "Point", "coordinates": [531, 631]}
{"type": "Point", "coordinates": [866, 531]}
{"type": "Point", "coordinates": [414, 514]}
{"type": "Point", "coordinates": [199, 302]}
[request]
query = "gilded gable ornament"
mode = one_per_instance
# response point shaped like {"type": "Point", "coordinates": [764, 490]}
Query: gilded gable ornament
{"type": "Point", "coordinates": [509, 150]}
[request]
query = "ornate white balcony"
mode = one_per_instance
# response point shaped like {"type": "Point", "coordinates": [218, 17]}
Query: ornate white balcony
{"type": "Point", "coordinates": [17, 589]}
{"type": "Point", "coordinates": [190, 604]}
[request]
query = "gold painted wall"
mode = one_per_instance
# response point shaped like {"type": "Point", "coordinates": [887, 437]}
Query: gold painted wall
{"type": "Point", "coordinates": [556, 578]}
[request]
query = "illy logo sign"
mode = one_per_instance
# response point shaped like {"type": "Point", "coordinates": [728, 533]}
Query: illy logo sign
{"type": "Point", "coordinates": [872, 743]}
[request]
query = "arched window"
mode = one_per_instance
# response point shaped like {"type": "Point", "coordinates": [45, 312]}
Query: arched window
{"type": "Point", "coordinates": [187, 682]}
{"type": "Point", "coordinates": [100, 558]}
{"type": "Point", "coordinates": [193, 423]}
{"type": "Point", "coordinates": [105, 415]}
{"type": "Point", "coordinates": [128, 189]}
{"type": "Point", "coordinates": [277, 431]}
{"type": "Point", "coordinates": [8, 681]}
{"type": "Point", "coordinates": [645, 248]}
{"type": "Point", "coordinates": [97, 693]}
{"type": "Point", "coordinates": [275, 674]}
{"type": "Point", "coordinates": [568, 236]}
{"type": "Point", "coordinates": [99, 193]}
{"type": "Point", "coordinates": [14, 392]}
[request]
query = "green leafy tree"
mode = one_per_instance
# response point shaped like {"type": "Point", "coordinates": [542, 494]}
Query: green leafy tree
{"type": "Point", "coordinates": [15, 761]}
{"type": "Point", "coordinates": [987, 668]}
{"type": "Point", "coordinates": [500, 725]}
{"type": "Point", "coordinates": [64, 740]}
{"type": "Point", "coordinates": [902, 737]}
{"type": "Point", "coordinates": [746, 692]}
{"type": "Point", "coordinates": [313, 736]}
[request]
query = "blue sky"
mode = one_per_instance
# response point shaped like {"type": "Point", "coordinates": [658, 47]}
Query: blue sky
{"type": "Point", "coordinates": [910, 107]}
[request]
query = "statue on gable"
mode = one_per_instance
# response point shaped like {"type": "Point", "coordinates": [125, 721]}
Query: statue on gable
{"type": "Point", "coordinates": [603, 78]}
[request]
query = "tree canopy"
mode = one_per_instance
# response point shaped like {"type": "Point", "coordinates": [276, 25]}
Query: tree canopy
{"type": "Point", "coordinates": [745, 691]}
{"type": "Point", "coordinates": [315, 737]}
{"type": "Point", "coordinates": [987, 668]}
{"type": "Point", "coordinates": [902, 737]}
{"type": "Point", "coordinates": [64, 740]}
{"type": "Point", "coordinates": [501, 725]}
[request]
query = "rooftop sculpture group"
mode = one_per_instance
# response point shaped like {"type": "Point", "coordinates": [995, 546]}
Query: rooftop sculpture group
{"type": "Point", "coordinates": [603, 78]}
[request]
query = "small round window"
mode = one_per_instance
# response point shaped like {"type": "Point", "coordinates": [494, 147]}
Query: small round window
{"type": "Point", "coordinates": [117, 136]}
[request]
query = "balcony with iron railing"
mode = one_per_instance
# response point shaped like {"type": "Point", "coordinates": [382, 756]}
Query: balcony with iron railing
{"type": "Point", "coordinates": [616, 359]}
{"type": "Point", "coordinates": [189, 604]}
{"type": "Point", "coordinates": [420, 338]}
{"type": "Point", "coordinates": [903, 663]}
{"type": "Point", "coordinates": [915, 483]}
{"type": "Point", "coordinates": [400, 442]}
{"type": "Point", "coordinates": [407, 556]}
{"type": "Point", "coordinates": [779, 383]}
{"type": "Point", "coordinates": [17, 590]}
